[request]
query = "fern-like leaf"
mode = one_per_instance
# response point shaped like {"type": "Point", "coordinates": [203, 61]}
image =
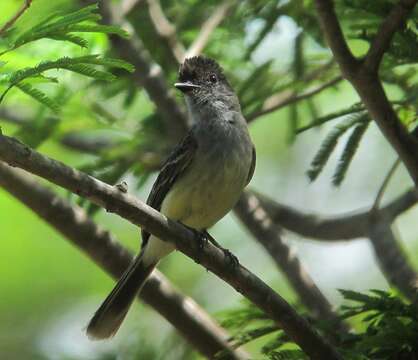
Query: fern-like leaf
{"type": "Point", "coordinates": [104, 29]}
{"type": "Point", "coordinates": [47, 28]}
{"type": "Point", "coordinates": [348, 153]}
{"type": "Point", "coordinates": [76, 64]}
{"type": "Point", "coordinates": [90, 71]}
{"type": "Point", "coordinates": [287, 355]}
{"type": "Point", "coordinates": [77, 40]}
{"type": "Point", "coordinates": [111, 62]}
{"type": "Point", "coordinates": [329, 144]}
{"type": "Point", "coordinates": [39, 96]}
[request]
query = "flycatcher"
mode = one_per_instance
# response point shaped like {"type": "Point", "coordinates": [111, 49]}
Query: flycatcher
{"type": "Point", "coordinates": [199, 183]}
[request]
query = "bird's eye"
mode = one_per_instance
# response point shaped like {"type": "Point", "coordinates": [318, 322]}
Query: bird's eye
{"type": "Point", "coordinates": [212, 78]}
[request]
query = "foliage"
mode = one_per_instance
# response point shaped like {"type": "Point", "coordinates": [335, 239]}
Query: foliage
{"type": "Point", "coordinates": [60, 27]}
{"type": "Point", "coordinates": [358, 120]}
{"type": "Point", "coordinates": [388, 329]}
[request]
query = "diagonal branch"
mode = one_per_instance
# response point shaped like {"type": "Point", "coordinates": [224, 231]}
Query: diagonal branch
{"type": "Point", "coordinates": [254, 217]}
{"type": "Point", "coordinates": [140, 214]}
{"type": "Point", "coordinates": [11, 116]}
{"type": "Point", "coordinates": [26, 4]}
{"type": "Point", "coordinates": [165, 29]}
{"type": "Point", "coordinates": [373, 224]}
{"type": "Point", "coordinates": [369, 88]}
{"type": "Point", "coordinates": [147, 74]}
{"type": "Point", "coordinates": [344, 227]}
{"type": "Point", "coordinates": [72, 222]}
{"type": "Point", "coordinates": [332, 30]}
{"type": "Point", "coordinates": [390, 257]}
{"type": "Point", "coordinates": [208, 27]}
{"type": "Point", "coordinates": [393, 22]}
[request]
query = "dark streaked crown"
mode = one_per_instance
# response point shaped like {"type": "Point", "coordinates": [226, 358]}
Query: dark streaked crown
{"type": "Point", "coordinates": [198, 68]}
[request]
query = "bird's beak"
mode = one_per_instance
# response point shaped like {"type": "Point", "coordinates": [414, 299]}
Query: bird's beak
{"type": "Point", "coordinates": [186, 86]}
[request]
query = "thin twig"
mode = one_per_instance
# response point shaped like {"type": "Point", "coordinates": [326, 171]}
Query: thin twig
{"type": "Point", "coordinates": [73, 223]}
{"type": "Point", "coordinates": [165, 29]}
{"type": "Point", "coordinates": [285, 98]}
{"type": "Point", "coordinates": [140, 214]}
{"type": "Point", "coordinates": [208, 27]}
{"type": "Point", "coordinates": [26, 4]}
{"type": "Point", "coordinates": [384, 185]}
{"type": "Point", "coordinates": [393, 22]}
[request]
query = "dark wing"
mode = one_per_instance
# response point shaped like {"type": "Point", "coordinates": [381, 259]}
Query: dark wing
{"type": "Point", "coordinates": [252, 167]}
{"type": "Point", "coordinates": [178, 161]}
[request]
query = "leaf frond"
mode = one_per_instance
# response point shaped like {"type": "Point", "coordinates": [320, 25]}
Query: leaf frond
{"type": "Point", "coordinates": [39, 96]}
{"type": "Point", "coordinates": [329, 144]}
{"type": "Point", "coordinates": [348, 153]}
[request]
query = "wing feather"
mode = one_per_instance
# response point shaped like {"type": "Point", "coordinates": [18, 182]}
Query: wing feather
{"type": "Point", "coordinates": [252, 167]}
{"type": "Point", "coordinates": [175, 165]}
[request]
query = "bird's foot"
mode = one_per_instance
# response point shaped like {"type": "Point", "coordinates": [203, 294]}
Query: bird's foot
{"type": "Point", "coordinates": [233, 260]}
{"type": "Point", "coordinates": [202, 238]}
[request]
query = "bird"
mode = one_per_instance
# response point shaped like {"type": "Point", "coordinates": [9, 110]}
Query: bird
{"type": "Point", "coordinates": [198, 184]}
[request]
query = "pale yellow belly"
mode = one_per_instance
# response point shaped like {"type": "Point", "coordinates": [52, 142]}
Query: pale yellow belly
{"type": "Point", "coordinates": [196, 204]}
{"type": "Point", "coordinates": [202, 196]}
{"type": "Point", "coordinates": [201, 202]}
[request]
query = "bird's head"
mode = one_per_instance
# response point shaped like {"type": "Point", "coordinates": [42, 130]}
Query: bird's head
{"type": "Point", "coordinates": [203, 82]}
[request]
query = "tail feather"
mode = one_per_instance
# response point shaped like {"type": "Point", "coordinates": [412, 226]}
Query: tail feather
{"type": "Point", "coordinates": [108, 318]}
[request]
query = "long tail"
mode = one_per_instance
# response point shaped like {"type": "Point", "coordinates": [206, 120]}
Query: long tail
{"type": "Point", "coordinates": [108, 318]}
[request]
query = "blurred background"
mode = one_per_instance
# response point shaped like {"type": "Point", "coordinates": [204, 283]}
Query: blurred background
{"type": "Point", "coordinates": [49, 289]}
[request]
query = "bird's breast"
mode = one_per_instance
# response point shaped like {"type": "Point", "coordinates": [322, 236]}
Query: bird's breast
{"type": "Point", "coordinates": [210, 187]}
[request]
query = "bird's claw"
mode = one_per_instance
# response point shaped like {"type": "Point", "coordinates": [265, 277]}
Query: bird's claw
{"type": "Point", "coordinates": [233, 260]}
{"type": "Point", "coordinates": [203, 239]}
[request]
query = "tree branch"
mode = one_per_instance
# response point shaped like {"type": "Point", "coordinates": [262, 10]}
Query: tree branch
{"type": "Point", "coordinates": [147, 74]}
{"type": "Point", "coordinates": [165, 29]}
{"type": "Point", "coordinates": [11, 117]}
{"type": "Point", "coordinates": [390, 257]}
{"type": "Point", "coordinates": [137, 212]}
{"type": "Point", "coordinates": [338, 228]}
{"type": "Point", "coordinates": [373, 224]}
{"type": "Point", "coordinates": [381, 43]}
{"type": "Point", "coordinates": [73, 223]}
{"type": "Point", "coordinates": [208, 27]}
{"type": "Point", "coordinates": [369, 88]}
{"type": "Point", "coordinates": [127, 6]}
{"type": "Point", "coordinates": [254, 217]}
{"type": "Point", "coordinates": [287, 97]}
{"type": "Point", "coordinates": [331, 28]}
{"type": "Point", "coordinates": [26, 4]}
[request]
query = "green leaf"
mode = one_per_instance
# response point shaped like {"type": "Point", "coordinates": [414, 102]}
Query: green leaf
{"type": "Point", "coordinates": [287, 355]}
{"type": "Point", "coordinates": [90, 71]}
{"type": "Point", "coordinates": [48, 28]}
{"type": "Point", "coordinates": [77, 40]}
{"type": "Point", "coordinates": [39, 96]}
{"type": "Point", "coordinates": [104, 29]}
{"type": "Point", "coordinates": [329, 144]}
{"type": "Point", "coordinates": [348, 153]}
{"type": "Point", "coordinates": [111, 62]}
